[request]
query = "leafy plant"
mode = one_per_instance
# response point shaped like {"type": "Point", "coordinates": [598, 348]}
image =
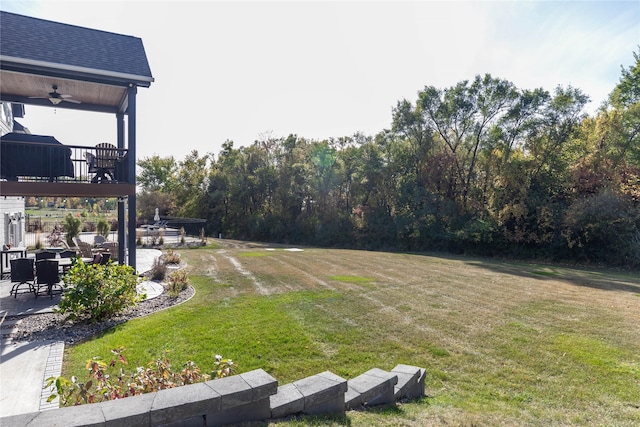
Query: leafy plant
{"type": "Point", "coordinates": [97, 292]}
{"type": "Point", "coordinates": [54, 239]}
{"type": "Point", "coordinates": [178, 282]}
{"type": "Point", "coordinates": [158, 375]}
{"type": "Point", "coordinates": [72, 226]}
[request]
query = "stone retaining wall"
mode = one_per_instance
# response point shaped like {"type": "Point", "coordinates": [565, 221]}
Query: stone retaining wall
{"type": "Point", "coordinates": [251, 396]}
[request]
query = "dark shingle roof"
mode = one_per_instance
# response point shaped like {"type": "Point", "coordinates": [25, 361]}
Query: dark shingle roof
{"type": "Point", "coordinates": [53, 42]}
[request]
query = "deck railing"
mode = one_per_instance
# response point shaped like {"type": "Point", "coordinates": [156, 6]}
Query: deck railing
{"type": "Point", "coordinates": [45, 162]}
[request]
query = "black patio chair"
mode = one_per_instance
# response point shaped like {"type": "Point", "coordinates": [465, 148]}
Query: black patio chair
{"type": "Point", "coordinates": [45, 255]}
{"type": "Point", "coordinates": [67, 254]}
{"type": "Point", "coordinates": [47, 276]}
{"type": "Point", "coordinates": [22, 274]}
{"type": "Point", "coordinates": [106, 256]}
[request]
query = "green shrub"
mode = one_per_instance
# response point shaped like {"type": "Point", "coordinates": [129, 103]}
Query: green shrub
{"type": "Point", "coordinates": [72, 226]}
{"type": "Point", "coordinates": [97, 292]}
{"type": "Point", "coordinates": [103, 227]}
{"type": "Point", "coordinates": [178, 282]}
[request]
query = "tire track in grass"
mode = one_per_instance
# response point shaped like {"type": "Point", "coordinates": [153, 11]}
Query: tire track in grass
{"type": "Point", "coordinates": [211, 269]}
{"type": "Point", "coordinates": [414, 289]}
{"type": "Point", "coordinates": [246, 273]}
{"type": "Point", "coordinates": [379, 306]}
{"type": "Point", "coordinates": [282, 260]}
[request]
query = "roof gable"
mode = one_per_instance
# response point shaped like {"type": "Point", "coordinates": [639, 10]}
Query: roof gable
{"type": "Point", "coordinates": [52, 42]}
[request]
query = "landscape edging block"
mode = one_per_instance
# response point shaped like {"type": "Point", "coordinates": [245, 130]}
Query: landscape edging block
{"type": "Point", "coordinates": [175, 404]}
{"type": "Point", "coordinates": [131, 411]}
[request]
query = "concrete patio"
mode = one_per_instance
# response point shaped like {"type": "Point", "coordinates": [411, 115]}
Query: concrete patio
{"type": "Point", "coordinates": [24, 366]}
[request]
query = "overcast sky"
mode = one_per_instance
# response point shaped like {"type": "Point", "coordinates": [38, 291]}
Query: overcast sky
{"type": "Point", "coordinates": [241, 70]}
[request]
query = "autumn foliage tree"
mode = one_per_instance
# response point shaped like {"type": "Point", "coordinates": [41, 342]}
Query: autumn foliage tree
{"type": "Point", "coordinates": [480, 167]}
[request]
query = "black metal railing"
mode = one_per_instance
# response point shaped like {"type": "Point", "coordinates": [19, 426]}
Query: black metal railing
{"type": "Point", "coordinates": [47, 162]}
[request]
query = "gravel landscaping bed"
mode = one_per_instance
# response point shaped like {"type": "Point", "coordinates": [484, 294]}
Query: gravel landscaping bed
{"type": "Point", "coordinates": [52, 326]}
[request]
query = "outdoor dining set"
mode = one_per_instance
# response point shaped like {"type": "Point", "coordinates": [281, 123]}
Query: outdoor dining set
{"type": "Point", "coordinates": [42, 273]}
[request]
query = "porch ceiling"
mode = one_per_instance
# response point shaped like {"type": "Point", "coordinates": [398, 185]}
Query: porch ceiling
{"type": "Point", "coordinates": [21, 86]}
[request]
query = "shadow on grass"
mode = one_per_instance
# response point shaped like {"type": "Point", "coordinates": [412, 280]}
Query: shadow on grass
{"type": "Point", "coordinates": [606, 280]}
{"type": "Point", "coordinates": [307, 420]}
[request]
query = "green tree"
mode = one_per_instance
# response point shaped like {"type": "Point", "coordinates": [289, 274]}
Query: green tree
{"type": "Point", "coordinates": [157, 173]}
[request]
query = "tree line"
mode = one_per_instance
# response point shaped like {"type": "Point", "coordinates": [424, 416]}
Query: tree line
{"type": "Point", "coordinates": [481, 167]}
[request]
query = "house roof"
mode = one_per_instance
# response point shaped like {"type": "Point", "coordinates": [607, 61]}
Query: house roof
{"type": "Point", "coordinates": [92, 66]}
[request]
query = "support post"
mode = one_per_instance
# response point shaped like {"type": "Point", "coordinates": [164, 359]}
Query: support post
{"type": "Point", "coordinates": [132, 172]}
{"type": "Point", "coordinates": [122, 219]}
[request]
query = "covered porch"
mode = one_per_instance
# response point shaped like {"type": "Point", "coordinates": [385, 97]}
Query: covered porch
{"type": "Point", "coordinates": [62, 66]}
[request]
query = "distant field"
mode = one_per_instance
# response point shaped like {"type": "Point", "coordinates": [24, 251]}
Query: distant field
{"type": "Point", "coordinates": [504, 343]}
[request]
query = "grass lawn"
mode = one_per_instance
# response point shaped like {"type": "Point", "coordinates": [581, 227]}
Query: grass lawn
{"type": "Point", "coordinates": [504, 343]}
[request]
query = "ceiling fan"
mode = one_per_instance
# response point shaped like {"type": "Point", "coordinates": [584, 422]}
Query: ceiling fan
{"type": "Point", "coordinates": [56, 98]}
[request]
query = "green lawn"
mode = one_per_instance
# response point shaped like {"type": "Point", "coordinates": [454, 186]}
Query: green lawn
{"type": "Point", "coordinates": [503, 343]}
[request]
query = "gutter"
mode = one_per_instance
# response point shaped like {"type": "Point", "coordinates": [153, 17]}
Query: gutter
{"type": "Point", "coordinates": [77, 69]}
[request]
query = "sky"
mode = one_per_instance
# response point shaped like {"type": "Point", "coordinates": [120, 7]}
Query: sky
{"type": "Point", "coordinates": [244, 71]}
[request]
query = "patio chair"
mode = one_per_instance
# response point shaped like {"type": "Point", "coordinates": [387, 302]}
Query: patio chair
{"type": "Point", "coordinates": [68, 254]}
{"type": "Point", "coordinates": [104, 260]}
{"type": "Point", "coordinates": [98, 240]}
{"type": "Point", "coordinates": [113, 250]}
{"type": "Point", "coordinates": [47, 276]}
{"type": "Point", "coordinates": [97, 258]}
{"type": "Point", "coordinates": [85, 249]}
{"type": "Point", "coordinates": [45, 255]}
{"type": "Point", "coordinates": [103, 163]}
{"type": "Point", "coordinates": [22, 274]}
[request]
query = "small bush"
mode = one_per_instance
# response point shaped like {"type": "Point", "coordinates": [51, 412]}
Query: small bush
{"type": "Point", "coordinates": [97, 292]}
{"type": "Point", "coordinates": [171, 257]}
{"type": "Point", "coordinates": [159, 269]}
{"type": "Point", "coordinates": [178, 282]}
